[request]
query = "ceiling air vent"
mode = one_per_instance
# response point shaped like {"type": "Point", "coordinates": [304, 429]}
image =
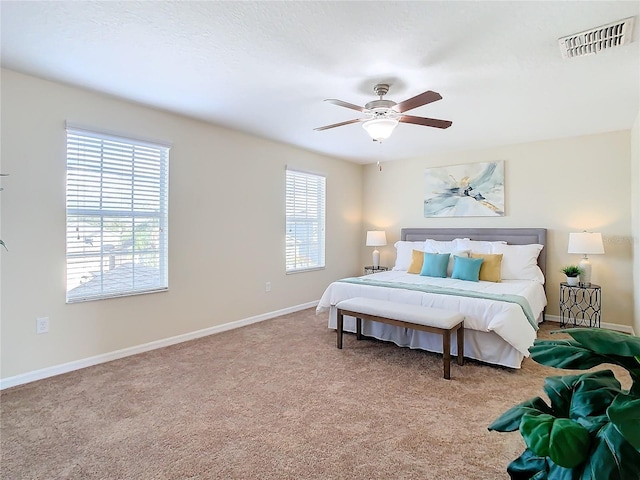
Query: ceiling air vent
{"type": "Point", "coordinates": [598, 39]}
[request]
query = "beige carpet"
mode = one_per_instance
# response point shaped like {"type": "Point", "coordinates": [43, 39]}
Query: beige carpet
{"type": "Point", "coordinates": [274, 400]}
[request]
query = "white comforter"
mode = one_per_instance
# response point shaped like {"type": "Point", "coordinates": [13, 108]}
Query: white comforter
{"type": "Point", "coordinates": [503, 318]}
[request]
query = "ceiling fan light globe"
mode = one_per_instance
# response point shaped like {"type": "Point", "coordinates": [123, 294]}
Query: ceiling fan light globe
{"type": "Point", "coordinates": [380, 128]}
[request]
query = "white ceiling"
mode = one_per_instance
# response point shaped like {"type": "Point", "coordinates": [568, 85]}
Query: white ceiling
{"type": "Point", "coordinates": [265, 67]}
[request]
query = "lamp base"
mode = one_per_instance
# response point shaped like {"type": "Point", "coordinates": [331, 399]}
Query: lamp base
{"type": "Point", "coordinates": [585, 276]}
{"type": "Point", "coordinates": [376, 259]}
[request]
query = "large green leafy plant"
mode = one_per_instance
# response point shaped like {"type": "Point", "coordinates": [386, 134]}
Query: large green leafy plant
{"type": "Point", "coordinates": [591, 428]}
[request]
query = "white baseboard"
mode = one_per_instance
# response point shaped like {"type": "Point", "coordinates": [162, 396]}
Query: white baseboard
{"type": "Point", "coordinates": [126, 352]}
{"type": "Point", "coordinates": [608, 326]}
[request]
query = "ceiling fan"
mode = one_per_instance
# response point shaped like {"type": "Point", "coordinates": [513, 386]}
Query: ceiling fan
{"type": "Point", "coordinates": [382, 116]}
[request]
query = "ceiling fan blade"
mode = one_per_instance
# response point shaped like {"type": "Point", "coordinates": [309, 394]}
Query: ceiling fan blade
{"type": "Point", "coordinates": [326, 127]}
{"type": "Point", "coordinates": [418, 101]}
{"type": "Point", "coordinates": [345, 104]}
{"type": "Point", "coordinates": [427, 122]}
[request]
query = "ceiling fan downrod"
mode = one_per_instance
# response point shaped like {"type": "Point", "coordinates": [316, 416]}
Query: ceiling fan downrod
{"type": "Point", "coordinates": [381, 89]}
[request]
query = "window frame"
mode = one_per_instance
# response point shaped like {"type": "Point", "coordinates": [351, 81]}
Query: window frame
{"type": "Point", "coordinates": [97, 162]}
{"type": "Point", "coordinates": [315, 249]}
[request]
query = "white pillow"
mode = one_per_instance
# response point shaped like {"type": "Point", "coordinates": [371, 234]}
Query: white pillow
{"type": "Point", "coordinates": [478, 246]}
{"type": "Point", "coordinates": [439, 246]}
{"type": "Point", "coordinates": [403, 253]}
{"type": "Point", "coordinates": [520, 262]}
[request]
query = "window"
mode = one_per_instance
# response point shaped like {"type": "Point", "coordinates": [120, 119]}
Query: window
{"type": "Point", "coordinates": [305, 198]}
{"type": "Point", "coordinates": [116, 216]}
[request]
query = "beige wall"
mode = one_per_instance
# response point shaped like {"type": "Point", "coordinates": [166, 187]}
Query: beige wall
{"type": "Point", "coordinates": [635, 210]}
{"type": "Point", "coordinates": [227, 221]}
{"type": "Point", "coordinates": [565, 185]}
{"type": "Point", "coordinates": [226, 227]}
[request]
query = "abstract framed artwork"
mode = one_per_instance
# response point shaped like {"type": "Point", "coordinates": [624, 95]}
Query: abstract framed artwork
{"type": "Point", "coordinates": [470, 190]}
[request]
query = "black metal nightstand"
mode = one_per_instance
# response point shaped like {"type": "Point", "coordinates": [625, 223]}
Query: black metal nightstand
{"type": "Point", "coordinates": [369, 270]}
{"type": "Point", "coordinates": [580, 306]}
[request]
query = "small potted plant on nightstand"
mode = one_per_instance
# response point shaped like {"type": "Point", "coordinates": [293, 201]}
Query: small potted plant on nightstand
{"type": "Point", "coordinates": [572, 272]}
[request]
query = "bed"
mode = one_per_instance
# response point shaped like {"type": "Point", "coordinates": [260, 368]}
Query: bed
{"type": "Point", "coordinates": [502, 314]}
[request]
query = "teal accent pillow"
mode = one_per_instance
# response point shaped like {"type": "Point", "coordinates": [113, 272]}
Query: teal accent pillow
{"type": "Point", "coordinates": [466, 268]}
{"type": "Point", "coordinates": [435, 265]}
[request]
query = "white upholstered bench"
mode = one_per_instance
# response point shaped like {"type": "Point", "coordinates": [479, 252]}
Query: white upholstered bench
{"type": "Point", "coordinates": [417, 317]}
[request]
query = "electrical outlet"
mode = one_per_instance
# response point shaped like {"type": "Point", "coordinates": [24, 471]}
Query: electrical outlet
{"type": "Point", "coordinates": [267, 287]}
{"type": "Point", "coordinates": [42, 325]}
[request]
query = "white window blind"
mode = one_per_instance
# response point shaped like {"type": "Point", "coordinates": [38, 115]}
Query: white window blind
{"type": "Point", "coordinates": [117, 221]}
{"type": "Point", "coordinates": [305, 211]}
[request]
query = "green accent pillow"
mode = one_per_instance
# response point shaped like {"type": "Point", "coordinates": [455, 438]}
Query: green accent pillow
{"type": "Point", "coordinates": [466, 268]}
{"type": "Point", "coordinates": [435, 265]}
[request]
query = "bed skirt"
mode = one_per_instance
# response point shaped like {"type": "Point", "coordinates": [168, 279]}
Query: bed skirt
{"type": "Point", "coordinates": [483, 346]}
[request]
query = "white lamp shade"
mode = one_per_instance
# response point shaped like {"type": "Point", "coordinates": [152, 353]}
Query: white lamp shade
{"type": "Point", "coordinates": [376, 238]}
{"type": "Point", "coordinates": [585, 243]}
{"type": "Point", "coordinates": [380, 128]}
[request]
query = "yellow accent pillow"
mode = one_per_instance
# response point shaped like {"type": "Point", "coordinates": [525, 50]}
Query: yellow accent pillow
{"type": "Point", "coordinates": [490, 270]}
{"type": "Point", "coordinates": [417, 259]}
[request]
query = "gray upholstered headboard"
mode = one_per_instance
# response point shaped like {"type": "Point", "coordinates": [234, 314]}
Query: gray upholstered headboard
{"type": "Point", "coordinates": [513, 236]}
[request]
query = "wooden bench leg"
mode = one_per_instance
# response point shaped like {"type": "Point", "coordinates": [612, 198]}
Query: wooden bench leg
{"type": "Point", "coordinates": [460, 337]}
{"type": "Point", "coordinates": [446, 353]}
{"type": "Point", "coordinates": [446, 334]}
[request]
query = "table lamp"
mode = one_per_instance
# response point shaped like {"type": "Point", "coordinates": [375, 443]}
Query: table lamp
{"type": "Point", "coordinates": [585, 243]}
{"type": "Point", "coordinates": [376, 238]}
